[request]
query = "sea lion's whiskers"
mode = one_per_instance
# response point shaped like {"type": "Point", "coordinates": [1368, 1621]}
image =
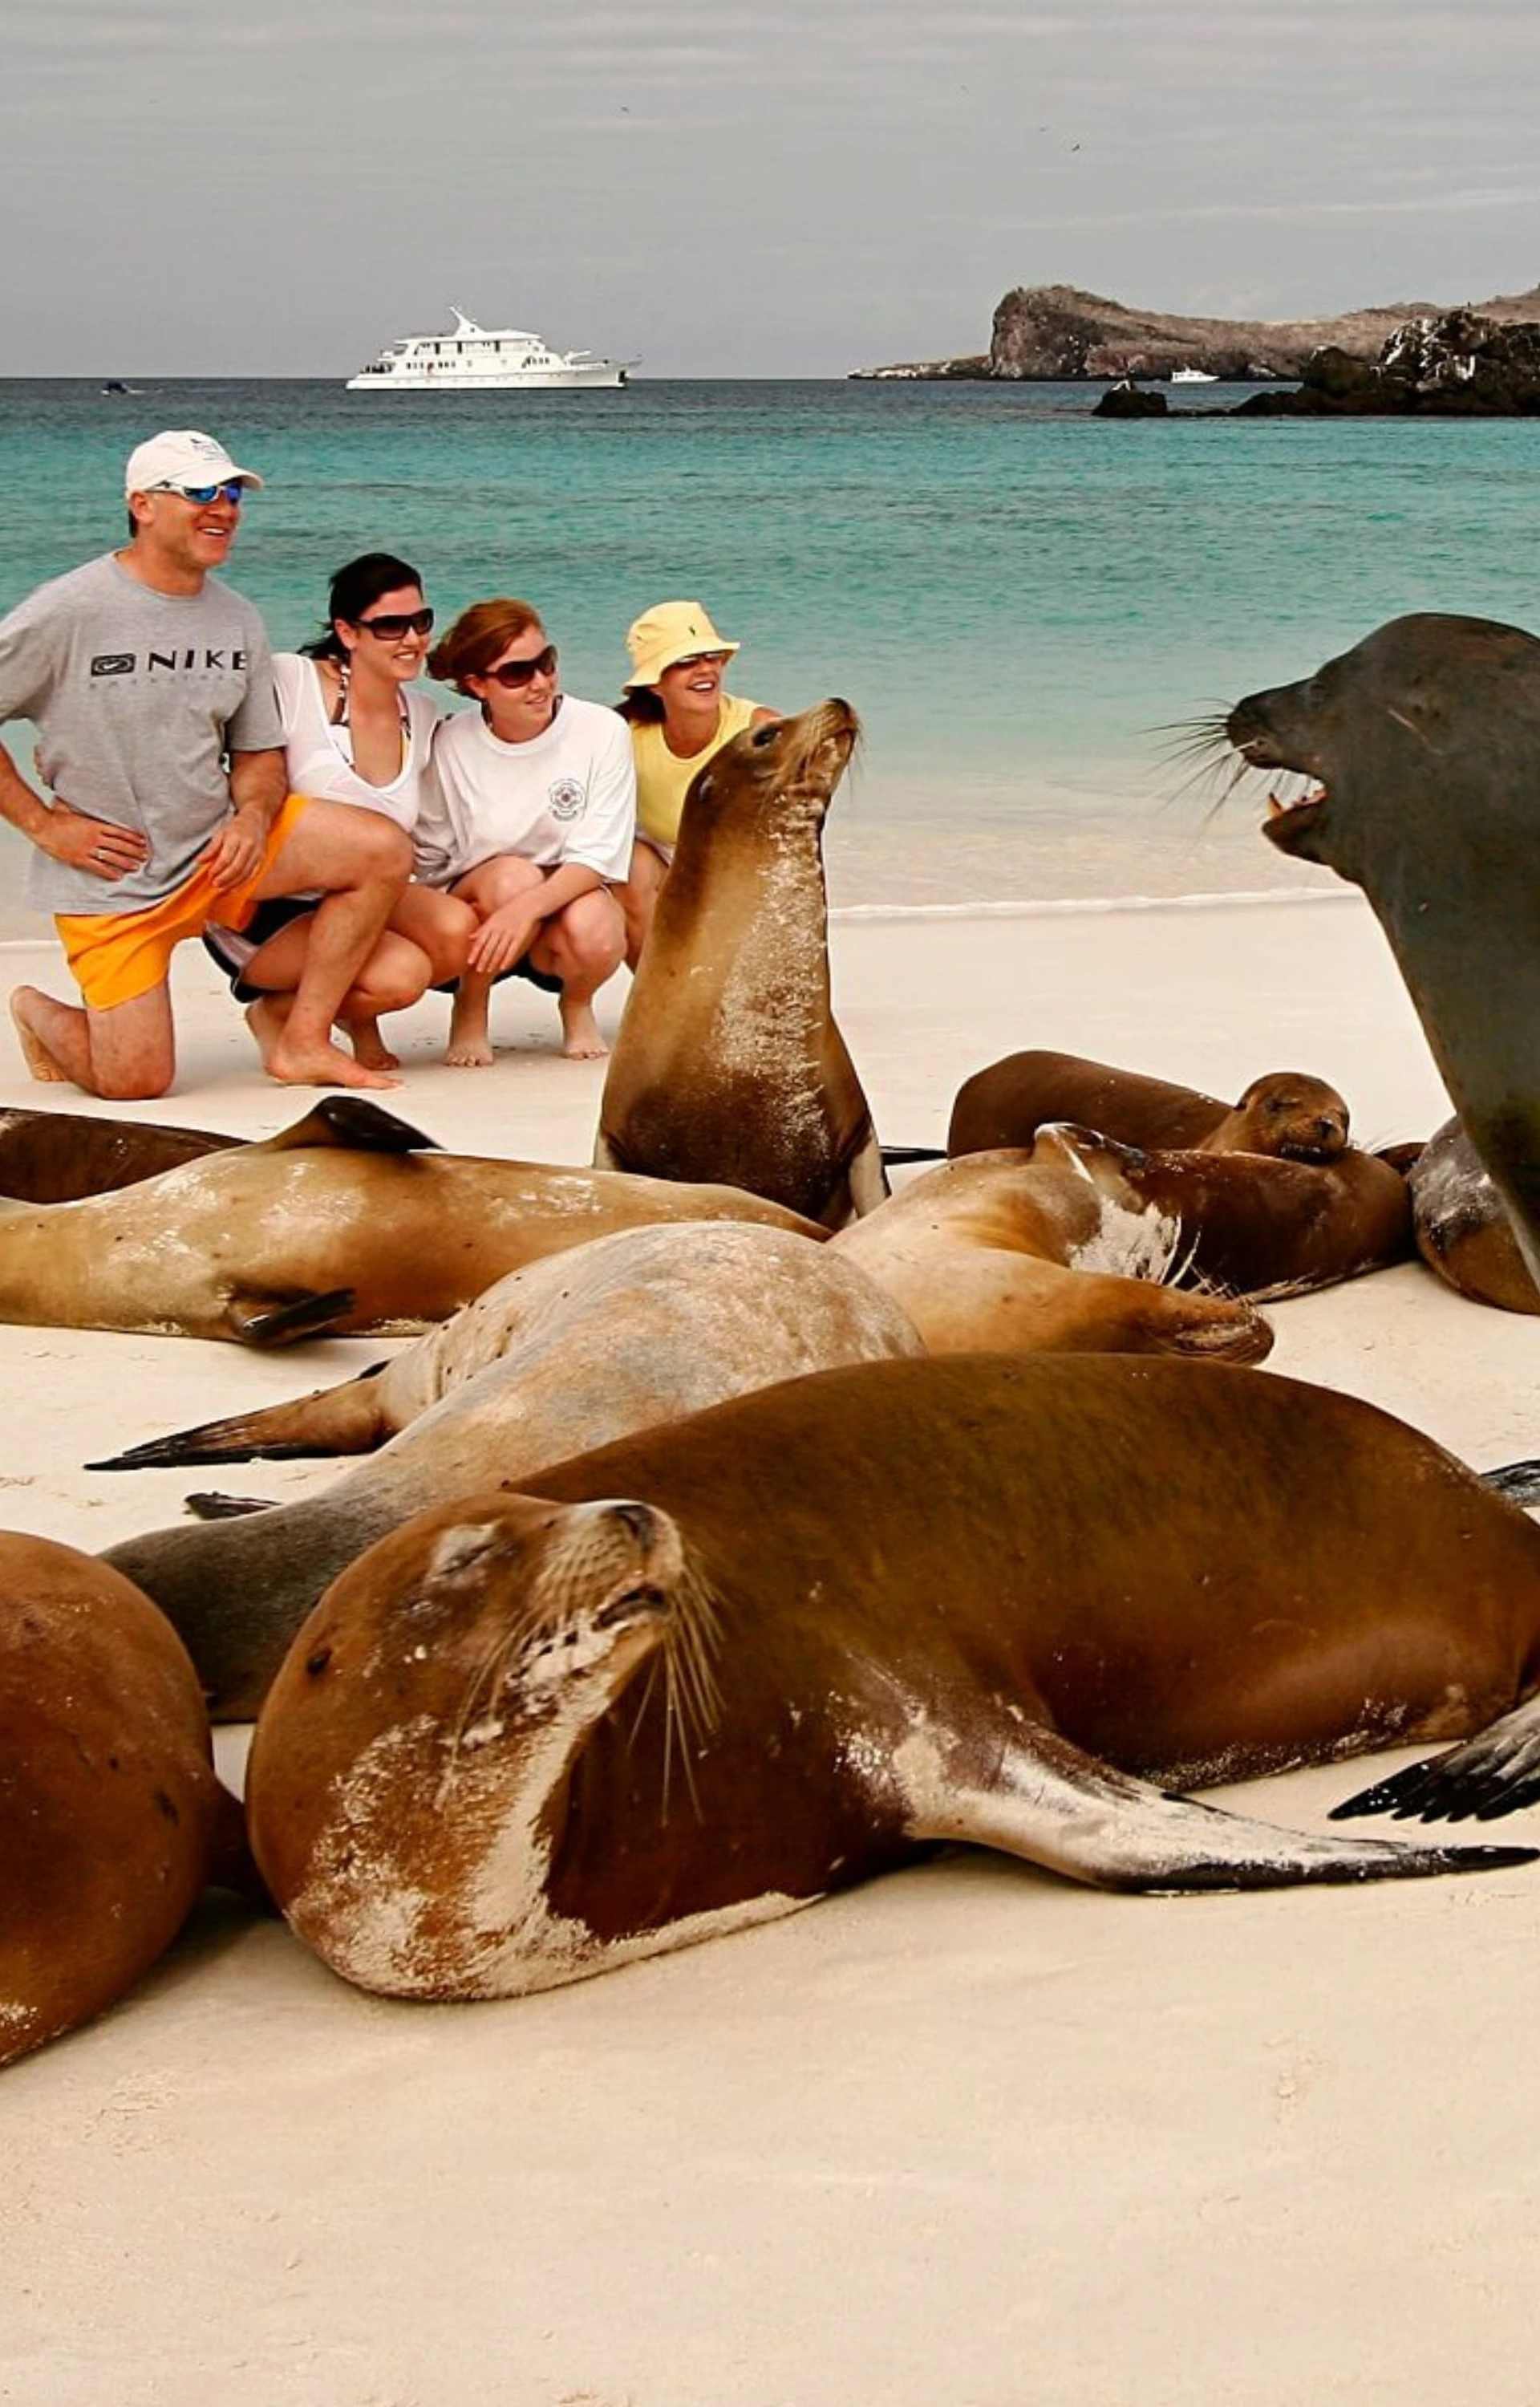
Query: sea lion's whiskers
{"type": "Point", "coordinates": [692, 1697]}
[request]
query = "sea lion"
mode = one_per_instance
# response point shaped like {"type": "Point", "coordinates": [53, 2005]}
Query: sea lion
{"type": "Point", "coordinates": [348, 1221]}
{"type": "Point", "coordinates": [1026, 1247]}
{"type": "Point", "coordinates": [1462, 1229]}
{"type": "Point", "coordinates": [728, 1064]}
{"type": "Point", "coordinates": [57, 1157]}
{"type": "Point", "coordinates": [1285, 1114]}
{"type": "Point", "coordinates": [642, 1327]}
{"type": "Point", "coordinates": [981, 1599]}
{"type": "Point", "coordinates": [111, 1818]}
{"type": "Point", "coordinates": [1261, 1228]}
{"type": "Point", "coordinates": [1422, 745]}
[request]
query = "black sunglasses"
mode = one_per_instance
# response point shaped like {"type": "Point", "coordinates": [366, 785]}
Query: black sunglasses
{"type": "Point", "coordinates": [391, 625]}
{"type": "Point", "coordinates": [516, 673]}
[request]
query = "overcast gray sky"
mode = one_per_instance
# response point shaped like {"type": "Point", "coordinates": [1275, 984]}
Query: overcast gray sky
{"type": "Point", "coordinates": [738, 186]}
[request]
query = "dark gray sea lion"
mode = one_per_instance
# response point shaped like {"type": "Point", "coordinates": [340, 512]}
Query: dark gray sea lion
{"type": "Point", "coordinates": [111, 1818]}
{"type": "Point", "coordinates": [348, 1221]}
{"type": "Point", "coordinates": [57, 1157]}
{"type": "Point", "coordinates": [703, 1677]}
{"type": "Point", "coordinates": [1463, 1228]}
{"type": "Point", "coordinates": [729, 1063]}
{"type": "Point", "coordinates": [1286, 1114]}
{"type": "Point", "coordinates": [1027, 1248]}
{"type": "Point", "coordinates": [643, 1327]}
{"type": "Point", "coordinates": [1422, 745]}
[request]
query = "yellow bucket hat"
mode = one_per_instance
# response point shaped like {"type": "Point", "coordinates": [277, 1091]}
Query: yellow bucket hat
{"type": "Point", "coordinates": [670, 632]}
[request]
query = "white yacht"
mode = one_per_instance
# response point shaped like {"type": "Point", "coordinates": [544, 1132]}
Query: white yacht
{"type": "Point", "coordinates": [481, 359]}
{"type": "Point", "coordinates": [1192, 376]}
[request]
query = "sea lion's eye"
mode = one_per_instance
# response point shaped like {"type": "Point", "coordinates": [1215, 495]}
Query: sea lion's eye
{"type": "Point", "coordinates": [764, 735]}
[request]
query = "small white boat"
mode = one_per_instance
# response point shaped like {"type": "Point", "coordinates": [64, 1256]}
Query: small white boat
{"type": "Point", "coordinates": [1192, 376]}
{"type": "Point", "coordinates": [481, 359]}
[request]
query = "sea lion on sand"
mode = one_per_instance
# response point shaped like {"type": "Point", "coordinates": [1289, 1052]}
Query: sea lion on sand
{"type": "Point", "coordinates": [56, 1157]}
{"type": "Point", "coordinates": [1026, 1249]}
{"type": "Point", "coordinates": [1261, 1229]}
{"type": "Point", "coordinates": [111, 1818]}
{"type": "Point", "coordinates": [1423, 747]}
{"type": "Point", "coordinates": [1462, 1229]}
{"type": "Point", "coordinates": [981, 1599]}
{"type": "Point", "coordinates": [643, 1327]}
{"type": "Point", "coordinates": [728, 1064]}
{"type": "Point", "coordinates": [1286, 1114]}
{"type": "Point", "coordinates": [348, 1221]}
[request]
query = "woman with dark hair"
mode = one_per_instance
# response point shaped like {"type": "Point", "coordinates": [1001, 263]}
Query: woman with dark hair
{"type": "Point", "coordinates": [679, 716]}
{"type": "Point", "coordinates": [528, 820]}
{"type": "Point", "coordinates": [353, 732]}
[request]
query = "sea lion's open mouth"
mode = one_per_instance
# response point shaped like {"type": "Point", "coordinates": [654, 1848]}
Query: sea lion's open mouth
{"type": "Point", "coordinates": [1289, 815]}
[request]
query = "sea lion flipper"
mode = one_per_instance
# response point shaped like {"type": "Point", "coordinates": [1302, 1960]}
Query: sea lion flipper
{"type": "Point", "coordinates": [1517, 1481]}
{"type": "Point", "coordinates": [351, 1121]}
{"type": "Point", "coordinates": [344, 1420]}
{"type": "Point", "coordinates": [282, 1324]}
{"type": "Point", "coordinates": [212, 1504]}
{"type": "Point", "coordinates": [1066, 1810]}
{"type": "Point", "coordinates": [1496, 1772]}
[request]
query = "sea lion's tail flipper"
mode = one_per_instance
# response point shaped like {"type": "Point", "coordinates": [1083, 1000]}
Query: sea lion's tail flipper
{"type": "Point", "coordinates": [1066, 1810]}
{"type": "Point", "coordinates": [894, 1156]}
{"type": "Point", "coordinates": [1496, 1772]}
{"type": "Point", "coordinates": [283, 1324]}
{"type": "Point", "coordinates": [352, 1122]}
{"type": "Point", "coordinates": [1519, 1482]}
{"type": "Point", "coordinates": [344, 1420]}
{"type": "Point", "coordinates": [211, 1504]}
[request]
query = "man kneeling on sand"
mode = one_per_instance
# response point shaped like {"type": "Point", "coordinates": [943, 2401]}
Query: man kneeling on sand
{"type": "Point", "coordinates": [149, 682]}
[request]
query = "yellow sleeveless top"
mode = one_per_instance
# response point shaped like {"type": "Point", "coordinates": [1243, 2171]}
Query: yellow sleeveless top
{"type": "Point", "coordinates": [663, 780]}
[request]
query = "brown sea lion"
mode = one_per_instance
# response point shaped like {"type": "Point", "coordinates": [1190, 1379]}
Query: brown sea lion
{"type": "Point", "coordinates": [111, 1818]}
{"type": "Point", "coordinates": [348, 1221]}
{"type": "Point", "coordinates": [57, 1157]}
{"type": "Point", "coordinates": [1286, 1114]}
{"type": "Point", "coordinates": [1025, 1248]}
{"type": "Point", "coordinates": [642, 1327]}
{"type": "Point", "coordinates": [1423, 746]}
{"type": "Point", "coordinates": [1462, 1229]}
{"type": "Point", "coordinates": [1261, 1228]}
{"type": "Point", "coordinates": [728, 1064]}
{"type": "Point", "coordinates": [701, 1677]}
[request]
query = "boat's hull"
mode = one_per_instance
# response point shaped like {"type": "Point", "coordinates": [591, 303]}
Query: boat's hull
{"type": "Point", "coordinates": [603, 371]}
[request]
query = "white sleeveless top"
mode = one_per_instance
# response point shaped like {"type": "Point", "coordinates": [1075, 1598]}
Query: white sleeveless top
{"type": "Point", "coordinates": [320, 754]}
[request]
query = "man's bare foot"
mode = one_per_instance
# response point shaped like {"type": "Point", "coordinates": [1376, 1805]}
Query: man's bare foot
{"type": "Point", "coordinates": [318, 1066]}
{"type": "Point", "coordinates": [580, 1038]}
{"type": "Point", "coordinates": [40, 1062]}
{"type": "Point", "coordinates": [368, 1046]}
{"type": "Point", "coordinates": [468, 1053]}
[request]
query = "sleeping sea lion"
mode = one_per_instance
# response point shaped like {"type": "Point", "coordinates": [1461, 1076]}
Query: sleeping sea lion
{"type": "Point", "coordinates": [56, 1157]}
{"type": "Point", "coordinates": [1285, 1114]}
{"type": "Point", "coordinates": [348, 1221]}
{"type": "Point", "coordinates": [698, 1678]}
{"type": "Point", "coordinates": [1422, 749]}
{"type": "Point", "coordinates": [728, 1064]}
{"type": "Point", "coordinates": [644, 1326]}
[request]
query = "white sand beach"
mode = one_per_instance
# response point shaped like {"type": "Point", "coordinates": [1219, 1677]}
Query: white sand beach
{"type": "Point", "coordinates": [969, 2137]}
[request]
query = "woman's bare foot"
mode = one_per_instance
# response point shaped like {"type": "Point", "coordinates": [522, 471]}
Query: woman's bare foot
{"type": "Point", "coordinates": [580, 1038]}
{"type": "Point", "coordinates": [467, 1053]}
{"type": "Point", "coordinates": [368, 1046]}
{"type": "Point", "coordinates": [40, 1062]}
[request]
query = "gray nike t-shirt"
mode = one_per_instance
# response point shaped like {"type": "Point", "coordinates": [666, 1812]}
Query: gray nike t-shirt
{"type": "Point", "coordinates": [137, 697]}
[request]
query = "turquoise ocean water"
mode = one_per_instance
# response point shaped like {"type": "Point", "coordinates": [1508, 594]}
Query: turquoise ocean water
{"type": "Point", "coordinates": [1021, 600]}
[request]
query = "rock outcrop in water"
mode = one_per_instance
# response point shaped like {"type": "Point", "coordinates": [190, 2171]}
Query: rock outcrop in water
{"type": "Point", "coordinates": [1056, 332]}
{"type": "Point", "coordinates": [1463, 365]}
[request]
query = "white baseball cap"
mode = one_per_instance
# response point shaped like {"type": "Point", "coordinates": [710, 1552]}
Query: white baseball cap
{"type": "Point", "coordinates": [183, 458]}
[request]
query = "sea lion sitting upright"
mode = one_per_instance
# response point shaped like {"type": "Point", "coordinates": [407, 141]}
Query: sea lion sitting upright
{"type": "Point", "coordinates": [1286, 1114]}
{"type": "Point", "coordinates": [349, 1221]}
{"type": "Point", "coordinates": [703, 1677]}
{"type": "Point", "coordinates": [728, 1064]}
{"type": "Point", "coordinates": [111, 1817]}
{"type": "Point", "coordinates": [1422, 745]}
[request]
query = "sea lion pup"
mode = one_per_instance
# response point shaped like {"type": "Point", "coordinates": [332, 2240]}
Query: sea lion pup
{"type": "Point", "coordinates": [1422, 745]}
{"type": "Point", "coordinates": [1260, 1228]}
{"type": "Point", "coordinates": [644, 1327]}
{"type": "Point", "coordinates": [57, 1157]}
{"type": "Point", "coordinates": [1462, 1226]}
{"type": "Point", "coordinates": [111, 1818]}
{"type": "Point", "coordinates": [349, 1221]}
{"type": "Point", "coordinates": [1286, 1114]}
{"type": "Point", "coordinates": [1024, 1249]}
{"type": "Point", "coordinates": [875, 1609]}
{"type": "Point", "coordinates": [728, 1064]}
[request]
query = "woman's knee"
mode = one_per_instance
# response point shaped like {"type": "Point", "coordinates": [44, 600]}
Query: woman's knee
{"type": "Point", "coordinates": [396, 973]}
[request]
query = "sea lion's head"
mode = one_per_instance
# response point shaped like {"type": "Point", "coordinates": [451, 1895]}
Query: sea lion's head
{"type": "Point", "coordinates": [1288, 1114]}
{"type": "Point", "coordinates": [792, 764]}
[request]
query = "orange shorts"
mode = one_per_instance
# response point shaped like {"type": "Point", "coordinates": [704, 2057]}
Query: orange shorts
{"type": "Point", "coordinates": [117, 956]}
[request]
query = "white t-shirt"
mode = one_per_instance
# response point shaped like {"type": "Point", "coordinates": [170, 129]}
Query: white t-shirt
{"type": "Point", "coordinates": [567, 796]}
{"type": "Point", "coordinates": [320, 754]}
